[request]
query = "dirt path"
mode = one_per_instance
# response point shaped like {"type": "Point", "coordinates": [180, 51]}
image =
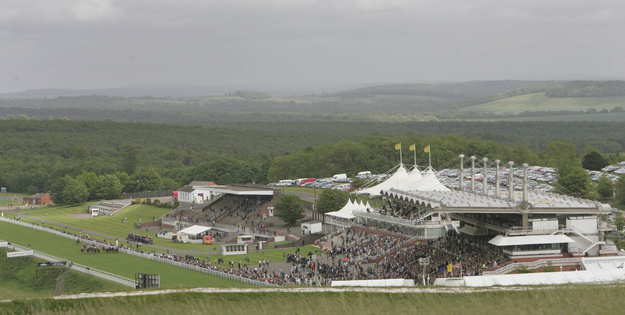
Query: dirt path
{"type": "Point", "coordinates": [403, 290]}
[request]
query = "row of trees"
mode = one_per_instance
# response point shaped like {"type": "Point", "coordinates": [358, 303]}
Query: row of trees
{"type": "Point", "coordinates": [37, 153]}
{"type": "Point", "coordinates": [69, 190]}
{"type": "Point", "coordinates": [289, 207]}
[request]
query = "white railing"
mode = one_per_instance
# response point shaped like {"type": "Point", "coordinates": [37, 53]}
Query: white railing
{"type": "Point", "coordinates": [197, 268]}
{"type": "Point", "coordinates": [389, 219]}
{"type": "Point", "coordinates": [78, 267]}
{"type": "Point", "coordinates": [143, 255]}
{"type": "Point", "coordinates": [559, 262]}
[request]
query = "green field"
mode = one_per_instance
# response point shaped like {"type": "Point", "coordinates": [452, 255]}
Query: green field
{"type": "Point", "coordinates": [540, 102]}
{"type": "Point", "coordinates": [113, 226]}
{"type": "Point", "coordinates": [118, 263]}
{"type": "Point", "coordinates": [599, 117]}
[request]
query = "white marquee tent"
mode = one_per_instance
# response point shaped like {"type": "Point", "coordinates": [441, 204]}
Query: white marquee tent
{"type": "Point", "coordinates": [392, 182]}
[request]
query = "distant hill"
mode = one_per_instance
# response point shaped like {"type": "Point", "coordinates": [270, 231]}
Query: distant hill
{"type": "Point", "coordinates": [560, 96]}
{"type": "Point", "coordinates": [460, 90]}
{"type": "Point", "coordinates": [540, 102]}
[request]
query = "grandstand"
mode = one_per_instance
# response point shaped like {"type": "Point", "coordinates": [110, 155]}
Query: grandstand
{"type": "Point", "coordinates": [522, 225]}
{"type": "Point", "coordinates": [221, 207]}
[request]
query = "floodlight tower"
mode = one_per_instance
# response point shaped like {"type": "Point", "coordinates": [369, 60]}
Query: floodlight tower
{"type": "Point", "coordinates": [525, 182]}
{"type": "Point", "coordinates": [484, 183]}
{"type": "Point", "coordinates": [461, 172]}
{"type": "Point", "coordinates": [473, 173]}
{"type": "Point", "coordinates": [510, 180]}
{"type": "Point", "coordinates": [497, 178]}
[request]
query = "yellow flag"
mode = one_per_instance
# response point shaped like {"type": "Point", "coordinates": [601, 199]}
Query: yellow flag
{"type": "Point", "coordinates": [397, 146]}
{"type": "Point", "coordinates": [450, 266]}
{"type": "Point", "coordinates": [427, 149]}
{"type": "Point", "coordinates": [412, 147]}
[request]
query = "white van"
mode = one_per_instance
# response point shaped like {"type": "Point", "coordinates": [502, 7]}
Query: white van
{"type": "Point", "coordinates": [365, 174]}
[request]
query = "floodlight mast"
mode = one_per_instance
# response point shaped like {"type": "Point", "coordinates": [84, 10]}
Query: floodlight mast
{"type": "Point", "coordinates": [497, 178]}
{"type": "Point", "coordinates": [473, 173]}
{"type": "Point", "coordinates": [484, 183]}
{"type": "Point", "coordinates": [525, 182]}
{"type": "Point", "coordinates": [510, 181]}
{"type": "Point", "coordinates": [461, 176]}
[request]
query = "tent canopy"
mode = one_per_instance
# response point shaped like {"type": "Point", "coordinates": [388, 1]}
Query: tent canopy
{"type": "Point", "coordinates": [195, 230]}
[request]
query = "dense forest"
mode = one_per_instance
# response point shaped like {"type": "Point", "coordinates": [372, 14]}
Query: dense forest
{"type": "Point", "coordinates": [153, 143]}
{"type": "Point", "coordinates": [146, 156]}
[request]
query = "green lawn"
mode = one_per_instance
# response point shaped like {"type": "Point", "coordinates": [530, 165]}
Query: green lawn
{"type": "Point", "coordinates": [112, 225]}
{"type": "Point", "coordinates": [121, 264]}
{"type": "Point", "coordinates": [109, 225]}
{"type": "Point", "coordinates": [540, 102]}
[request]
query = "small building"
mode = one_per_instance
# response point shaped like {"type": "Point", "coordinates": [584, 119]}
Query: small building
{"type": "Point", "coordinates": [234, 249]}
{"type": "Point", "coordinates": [196, 232]}
{"type": "Point", "coordinates": [39, 199]}
{"type": "Point", "coordinates": [197, 192]}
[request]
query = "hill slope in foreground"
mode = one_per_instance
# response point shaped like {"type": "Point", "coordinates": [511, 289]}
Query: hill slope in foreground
{"type": "Point", "coordinates": [540, 102]}
{"type": "Point", "coordinates": [588, 299]}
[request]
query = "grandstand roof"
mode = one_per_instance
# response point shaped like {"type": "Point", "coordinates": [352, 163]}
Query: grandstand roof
{"type": "Point", "coordinates": [347, 212]}
{"type": "Point", "coordinates": [428, 182]}
{"type": "Point", "coordinates": [414, 176]}
{"type": "Point", "coordinates": [393, 181]}
{"type": "Point", "coordinates": [242, 190]}
{"type": "Point", "coordinates": [467, 202]}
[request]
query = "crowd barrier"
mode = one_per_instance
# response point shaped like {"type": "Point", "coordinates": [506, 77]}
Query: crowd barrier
{"type": "Point", "coordinates": [375, 283]}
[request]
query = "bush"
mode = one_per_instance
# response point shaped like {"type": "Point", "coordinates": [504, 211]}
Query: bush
{"type": "Point", "coordinates": [550, 267]}
{"type": "Point", "coordinates": [523, 269]}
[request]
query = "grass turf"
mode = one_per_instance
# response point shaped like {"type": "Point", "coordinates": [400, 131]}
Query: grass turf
{"type": "Point", "coordinates": [112, 225]}
{"type": "Point", "coordinates": [118, 263]}
{"type": "Point", "coordinates": [591, 299]}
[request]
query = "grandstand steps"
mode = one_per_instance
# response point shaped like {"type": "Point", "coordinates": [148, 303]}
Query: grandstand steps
{"type": "Point", "coordinates": [310, 238]}
{"type": "Point", "coordinates": [230, 237]}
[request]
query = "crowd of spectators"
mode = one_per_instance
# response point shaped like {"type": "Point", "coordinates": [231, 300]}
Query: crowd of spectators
{"type": "Point", "coordinates": [361, 245]}
{"type": "Point", "coordinates": [144, 239]}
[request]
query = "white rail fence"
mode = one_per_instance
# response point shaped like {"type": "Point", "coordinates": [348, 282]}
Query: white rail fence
{"type": "Point", "coordinates": [142, 255]}
{"type": "Point", "coordinates": [78, 267]}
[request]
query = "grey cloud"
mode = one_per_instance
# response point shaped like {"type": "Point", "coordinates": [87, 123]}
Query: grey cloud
{"type": "Point", "coordinates": [100, 43]}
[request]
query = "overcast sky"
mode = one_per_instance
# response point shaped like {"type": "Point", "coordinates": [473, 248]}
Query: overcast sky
{"type": "Point", "coordinates": [113, 43]}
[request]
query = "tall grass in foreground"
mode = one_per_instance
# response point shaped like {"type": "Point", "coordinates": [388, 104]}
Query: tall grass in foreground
{"type": "Point", "coordinates": [593, 299]}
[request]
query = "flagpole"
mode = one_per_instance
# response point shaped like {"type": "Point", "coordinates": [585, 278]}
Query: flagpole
{"type": "Point", "coordinates": [400, 158]}
{"type": "Point", "coordinates": [430, 156]}
{"type": "Point", "coordinates": [415, 154]}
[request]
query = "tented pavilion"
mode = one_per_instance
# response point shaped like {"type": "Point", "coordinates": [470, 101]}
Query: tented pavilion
{"type": "Point", "coordinates": [566, 224]}
{"type": "Point", "coordinates": [345, 216]}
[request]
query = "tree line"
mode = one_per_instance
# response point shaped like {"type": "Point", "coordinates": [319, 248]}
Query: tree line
{"type": "Point", "coordinates": [141, 156]}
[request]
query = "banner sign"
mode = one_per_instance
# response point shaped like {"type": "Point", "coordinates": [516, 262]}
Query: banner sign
{"type": "Point", "coordinates": [20, 254]}
{"type": "Point", "coordinates": [4, 244]}
{"type": "Point", "coordinates": [52, 263]}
